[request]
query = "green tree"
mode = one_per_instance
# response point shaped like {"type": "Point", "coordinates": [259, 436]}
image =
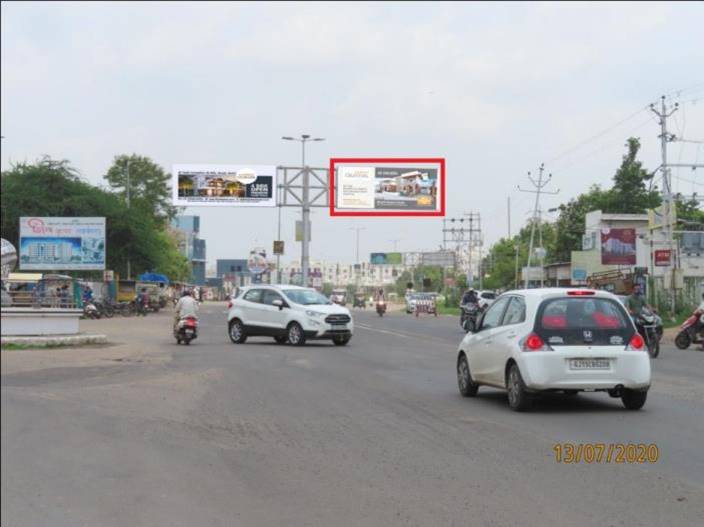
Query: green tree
{"type": "Point", "coordinates": [629, 193]}
{"type": "Point", "coordinates": [53, 188]}
{"type": "Point", "coordinates": [148, 184]}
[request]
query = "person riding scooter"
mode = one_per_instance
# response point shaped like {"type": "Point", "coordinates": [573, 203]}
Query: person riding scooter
{"type": "Point", "coordinates": [470, 309]}
{"type": "Point", "coordinates": [380, 301]}
{"type": "Point", "coordinates": [187, 306]}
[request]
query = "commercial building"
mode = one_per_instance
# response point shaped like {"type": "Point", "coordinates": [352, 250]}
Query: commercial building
{"type": "Point", "coordinates": [187, 231]}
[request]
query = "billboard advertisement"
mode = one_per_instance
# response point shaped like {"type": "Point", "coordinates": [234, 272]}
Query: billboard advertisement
{"type": "Point", "coordinates": [386, 258]}
{"type": "Point", "coordinates": [387, 187]}
{"type": "Point", "coordinates": [618, 246]}
{"type": "Point", "coordinates": [62, 244]}
{"type": "Point", "coordinates": [224, 185]}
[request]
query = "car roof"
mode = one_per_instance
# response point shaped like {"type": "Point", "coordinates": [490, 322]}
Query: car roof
{"type": "Point", "coordinates": [275, 286]}
{"type": "Point", "coordinates": [547, 292]}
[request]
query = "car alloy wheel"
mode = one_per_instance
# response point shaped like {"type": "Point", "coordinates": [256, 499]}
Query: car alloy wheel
{"type": "Point", "coordinates": [237, 334]}
{"type": "Point", "coordinates": [467, 386]}
{"type": "Point", "coordinates": [295, 334]}
{"type": "Point", "coordinates": [518, 398]}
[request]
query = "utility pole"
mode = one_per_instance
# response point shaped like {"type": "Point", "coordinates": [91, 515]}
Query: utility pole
{"type": "Point", "coordinates": [395, 242]}
{"type": "Point", "coordinates": [667, 197]}
{"type": "Point", "coordinates": [464, 233]}
{"type": "Point", "coordinates": [538, 185]}
{"type": "Point", "coordinates": [305, 203]}
{"type": "Point", "coordinates": [356, 254]}
{"type": "Point", "coordinates": [129, 259]}
{"type": "Point", "coordinates": [508, 211]}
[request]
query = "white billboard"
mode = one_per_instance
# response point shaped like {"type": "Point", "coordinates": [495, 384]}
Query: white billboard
{"type": "Point", "coordinates": [224, 185]}
{"type": "Point", "coordinates": [62, 244]}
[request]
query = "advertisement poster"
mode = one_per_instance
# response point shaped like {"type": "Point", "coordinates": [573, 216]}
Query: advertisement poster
{"type": "Point", "coordinates": [386, 258]}
{"type": "Point", "coordinates": [62, 244]}
{"type": "Point", "coordinates": [618, 246]}
{"type": "Point", "coordinates": [380, 187]}
{"type": "Point", "coordinates": [224, 185]}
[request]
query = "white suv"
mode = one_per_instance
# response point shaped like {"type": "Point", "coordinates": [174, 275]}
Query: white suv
{"type": "Point", "coordinates": [564, 340]}
{"type": "Point", "coordinates": [289, 314]}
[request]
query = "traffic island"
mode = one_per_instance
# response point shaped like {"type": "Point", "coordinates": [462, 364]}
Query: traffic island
{"type": "Point", "coordinates": [51, 341]}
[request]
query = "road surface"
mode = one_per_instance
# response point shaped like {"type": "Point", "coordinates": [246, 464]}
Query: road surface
{"type": "Point", "coordinates": [145, 432]}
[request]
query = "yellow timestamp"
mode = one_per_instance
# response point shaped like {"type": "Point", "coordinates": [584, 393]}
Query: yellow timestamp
{"type": "Point", "coordinates": [606, 453]}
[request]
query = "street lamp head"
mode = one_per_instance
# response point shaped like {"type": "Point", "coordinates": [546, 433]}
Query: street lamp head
{"type": "Point", "coordinates": [287, 138]}
{"type": "Point", "coordinates": [305, 136]}
{"type": "Point", "coordinates": [319, 139]}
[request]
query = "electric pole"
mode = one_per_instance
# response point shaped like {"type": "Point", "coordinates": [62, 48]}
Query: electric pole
{"type": "Point", "coordinates": [127, 188]}
{"type": "Point", "coordinates": [667, 197]}
{"type": "Point", "coordinates": [539, 186]}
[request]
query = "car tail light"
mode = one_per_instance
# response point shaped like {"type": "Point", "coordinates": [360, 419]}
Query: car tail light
{"type": "Point", "coordinates": [581, 292]}
{"type": "Point", "coordinates": [534, 342]}
{"type": "Point", "coordinates": [636, 343]}
{"type": "Point", "coordinates": [229, 304]}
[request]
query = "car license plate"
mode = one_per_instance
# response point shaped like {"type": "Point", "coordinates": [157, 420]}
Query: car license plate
{"type": "Point", "coordinates": [189, 332]}
{"type": "Point", "coordinates": [590, 364]}
{"type": "Point", "coordinates": [339, 326]}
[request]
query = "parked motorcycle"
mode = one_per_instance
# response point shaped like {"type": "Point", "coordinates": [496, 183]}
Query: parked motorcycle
{"type": "Point", "coordinates": [90, 311]}
{"type": "Point", "coordinates": [691, 331]}
{"type": "Point", "coordinates": [186, 330]}
{"type": "Point", "coordinates": [380, 307]}
{"type": "Point", "coordinates": [646, 324]}
{"type": "Point", "coordinates": [469, 316]}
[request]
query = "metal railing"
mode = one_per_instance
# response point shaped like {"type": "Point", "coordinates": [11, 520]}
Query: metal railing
{"type": "Point", "coordinates": [36, 300]}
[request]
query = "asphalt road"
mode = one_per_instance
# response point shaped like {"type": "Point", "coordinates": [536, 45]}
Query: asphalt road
{"type": "Point", "coordinates": [146, 432]}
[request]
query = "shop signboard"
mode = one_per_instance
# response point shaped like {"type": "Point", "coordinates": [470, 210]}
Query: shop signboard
{"type": "Point", "coordinates": [662, 257]}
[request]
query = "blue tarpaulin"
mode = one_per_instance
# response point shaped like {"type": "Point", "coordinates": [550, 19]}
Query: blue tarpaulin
{"type": "Point", "coordinates": [153, 277]}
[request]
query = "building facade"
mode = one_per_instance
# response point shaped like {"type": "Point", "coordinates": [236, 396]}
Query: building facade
{"type": "Point", "coordinates": [187, 231]}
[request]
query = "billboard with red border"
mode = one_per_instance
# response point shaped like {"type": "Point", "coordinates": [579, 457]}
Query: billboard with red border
{"type": "Point", "coordinates": [403, 186]}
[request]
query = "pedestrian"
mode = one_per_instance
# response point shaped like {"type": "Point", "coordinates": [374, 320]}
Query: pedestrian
{"type": "Point", "coordinates": [142, 302]}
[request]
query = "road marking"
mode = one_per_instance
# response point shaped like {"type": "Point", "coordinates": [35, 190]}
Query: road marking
{"type": "Point", "coordinates": [370, 328]}
{"type": "Point", "coordinates": [405, 335]}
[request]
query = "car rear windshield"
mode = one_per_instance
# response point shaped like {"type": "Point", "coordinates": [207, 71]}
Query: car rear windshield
{"type": "Point", "coordinates": [574, 321]}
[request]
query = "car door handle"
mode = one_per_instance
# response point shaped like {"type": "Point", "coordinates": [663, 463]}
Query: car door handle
{"type": "Point", "coordinates": [511, 336]}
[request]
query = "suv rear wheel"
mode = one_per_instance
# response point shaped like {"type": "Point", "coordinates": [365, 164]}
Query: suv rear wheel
{"type": "Point", "coordinates": [296, 337]}
{"type": "Point", "coordinates": [236, 332]}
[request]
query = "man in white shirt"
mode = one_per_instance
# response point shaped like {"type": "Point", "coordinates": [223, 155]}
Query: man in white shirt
{"type": "Point", "coordinates": [185, 307]}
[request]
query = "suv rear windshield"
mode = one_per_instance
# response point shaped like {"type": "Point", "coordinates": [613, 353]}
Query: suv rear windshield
{"type": "Point", "coordinates": [575, 321]}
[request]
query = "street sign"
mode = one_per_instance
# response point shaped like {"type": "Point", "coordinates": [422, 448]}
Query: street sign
{"type": "Point", "coordinates": [299, 231]}
{"type": "Point", "coordinates": [108, 276]}
{"type": "Point", "coordinates": [278, 247]}
{"type": "Point", "coordinates": [662, 257]}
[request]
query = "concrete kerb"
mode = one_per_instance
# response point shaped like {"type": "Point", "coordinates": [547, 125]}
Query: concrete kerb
{"type": "Point", "coordinates": [53, 340]}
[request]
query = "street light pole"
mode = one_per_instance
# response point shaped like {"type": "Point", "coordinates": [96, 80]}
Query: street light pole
{"type": "Point", "coordinates": [305, 245]}
{"type": "Point", "coordinates": [129, 260]}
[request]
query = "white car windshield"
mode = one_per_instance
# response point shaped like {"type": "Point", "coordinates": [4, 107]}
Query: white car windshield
{"type": "Point", "coordinates": [306, 297]}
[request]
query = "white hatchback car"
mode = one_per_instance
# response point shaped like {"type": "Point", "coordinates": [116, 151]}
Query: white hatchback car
{"type": "Point", "coordinates": [564, 340]}
{"type": "Point", "coordinates": [289, 314]}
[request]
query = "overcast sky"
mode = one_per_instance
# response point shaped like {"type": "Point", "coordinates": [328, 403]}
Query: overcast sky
{"type": "Point", "coordinates": [494, 88]}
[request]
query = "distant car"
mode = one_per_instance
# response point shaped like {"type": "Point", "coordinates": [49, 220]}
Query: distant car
{"type": "Point", "coordinates": [339, 296]}
{"type": "Point", "coordinates": [547, 340]}
{"type": "Point", "coordinates": [288, 314]}
{"type": "Point", "coordinates": [411, 299]}
{"type": "Point", "coordinates": [486, 298]}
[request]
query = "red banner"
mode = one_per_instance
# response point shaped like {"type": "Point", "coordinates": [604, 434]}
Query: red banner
{"type": "Point", "coordinates": [618, 246]}
{"type": "Point", "coordinates": [662, 257]}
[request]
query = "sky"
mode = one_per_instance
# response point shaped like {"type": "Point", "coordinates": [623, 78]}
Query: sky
{"type": "Point", "coordinates": [494, 88]}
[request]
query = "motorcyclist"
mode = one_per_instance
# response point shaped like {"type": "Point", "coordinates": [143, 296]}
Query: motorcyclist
{"type": "Point", "coordinates": [636, 301]}
{"type": "Point", "coordinates": [88, 295]}
{"type": "Point", "coordinates": [380, 297]}
{"type": "Point", "coordinates": [187, 306]}
{"type": "Point", "coordinates": [470, 297]}
{"type": "Point", "coordinates": [142, 302]}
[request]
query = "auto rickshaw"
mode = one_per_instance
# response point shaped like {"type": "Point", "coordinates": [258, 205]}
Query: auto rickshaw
{"type": "Point", "coordinates": [359, 300]}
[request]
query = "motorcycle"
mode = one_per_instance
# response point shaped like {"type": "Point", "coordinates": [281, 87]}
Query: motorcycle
{"type": "Point", "coordinates": [90, 311]}
{"type": "Point", "coordinates": [186, 330]}
{"type": "Point", "coordinates": [691, 331]}
{"type": "Point", "coordinates": [646, 324]}
{"type": "Point", "coordinates": [469, 316]}
{"type": "Point", "coordinates": [381, 307]}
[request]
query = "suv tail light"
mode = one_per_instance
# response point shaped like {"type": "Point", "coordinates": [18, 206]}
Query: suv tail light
{"type": "Point", "coordinates": [534, 342]}
{"type": "Point", "coordinates": [636, 343]}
